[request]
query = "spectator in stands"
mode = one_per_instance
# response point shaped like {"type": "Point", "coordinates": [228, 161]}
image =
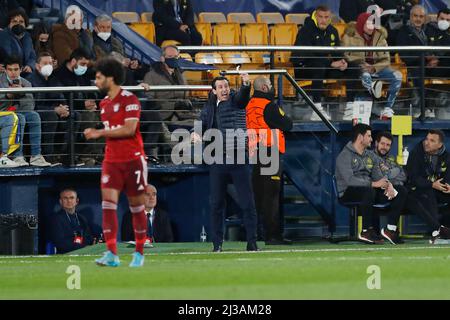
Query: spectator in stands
{"type": "Point", "coordinates": [225, 111]}
{"type": "Point", "coordinates": [174, 20]}
{"type": "Point", "coordinates": [357, 181]}
{"type": "Point", "coordinates": [69, 230]}
{"type": "Point", "coordinates": [393, 22]}
{"type": "Point", "coordinates": [42, 39]}
{"type": "Point", "coordinates": [172, 105]}
{"type": "Point", "coordinates": [5, 7]}
{"type": "Point", "coordinates": [23, 106]}
{"type": "Point", "coordinates": [267, 187]}
{"type": "Point", "coordinates": [416, 33]}
{"type": "Point", "coordinates": [349, 10]}
{"type": "Point", "coordinates": [104, 42]}
{"type": "Point", "coordinates": [374, 66]}
{"type": "Point", "coordinates": [10, 138]}
{"type": "Point", "coordinates": [16, 41]}
{"type": "Point", "coordinates": [52, 107]}
{"type": "Point", "coordinates": [159, 228]}
{"type": "Point", "coordinates": [428, 180]}
{"type": "Point", "coordinates": [318, 31]}
{"type": "Point", "coordinates": [70, 36]}
{"type": "Point", "coordinates": [438, 34]}
{"type": "Point", "coordinates": [72, 73]}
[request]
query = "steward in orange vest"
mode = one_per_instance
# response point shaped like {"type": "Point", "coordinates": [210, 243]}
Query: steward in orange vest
{"type": "Point", "coordinates": [265, 125]}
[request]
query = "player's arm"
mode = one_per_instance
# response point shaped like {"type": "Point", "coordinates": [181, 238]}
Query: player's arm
{"type": "Point", "coordinates": [126, 131]}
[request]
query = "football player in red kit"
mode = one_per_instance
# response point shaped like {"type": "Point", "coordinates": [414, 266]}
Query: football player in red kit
{"type": "Point", "coordinates": [124, 167]}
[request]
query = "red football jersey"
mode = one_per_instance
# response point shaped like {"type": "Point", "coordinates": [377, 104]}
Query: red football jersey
{"type": "Point", "coordinates": [113, 114]}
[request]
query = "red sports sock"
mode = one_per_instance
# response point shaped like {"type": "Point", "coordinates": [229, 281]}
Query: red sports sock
{"type": "Point", "coordinates": [110, 225]}
{"type": "Point", "coordinates": [140, 227]}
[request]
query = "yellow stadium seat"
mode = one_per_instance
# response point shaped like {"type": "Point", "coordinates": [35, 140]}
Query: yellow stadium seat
{"type": "Point", "coordinates": [205, 30]}
{"type": "Point", "coordinates": [208, 58]}
{"type": "Point", "coordinates": [256, 34]}
{"type": "Point", "coordinates": [241, 17]}
{"type": "Point", "coordinates": [212, 17]}
{"type": "Point", "coordinates": [235, 58]}
{"type": "Point", "coordinates": [147, 30]}
{"type": "Point", "coordinates": [147, 16]}
{"type": "Point", "coordinates": [126, 17]}
{"type": "Point", "coordinates": [226, 34]}
{"type": "Point", "coordinates": [297, 18]}
{"type": "Point", "coordinates": [269, 17]}
{"type": "Point", "coordinates": [283, 34]}
{"type": "Point", "coordinates": [186, 56]}
{"type": "Point", "coordinates": [340, 27]}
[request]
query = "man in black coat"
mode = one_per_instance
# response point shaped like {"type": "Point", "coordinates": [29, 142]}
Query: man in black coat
{"type": "Point", "coordinates": [428, 172]}
{"type": "Point", "coordinates": [174, 20]}
{"type": "Point", "coordinates": [69, 229]}
{"type": "Point", "coordinates": [158, 222]}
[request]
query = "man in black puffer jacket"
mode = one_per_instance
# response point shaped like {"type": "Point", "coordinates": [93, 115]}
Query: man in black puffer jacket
{"type": "Point", "coordinates": [225, 111]}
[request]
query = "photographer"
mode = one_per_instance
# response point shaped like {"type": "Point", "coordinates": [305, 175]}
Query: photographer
{"type": "Point", "coordinates": [23, 105]}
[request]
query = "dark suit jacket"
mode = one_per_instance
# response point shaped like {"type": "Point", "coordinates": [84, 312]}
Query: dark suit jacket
{"type": "Point", "coordinates": [164, 14]}
{"type": "Point", "coordinates": [162, 230]}
{"type": "Point", "coordinates": [63, 233]}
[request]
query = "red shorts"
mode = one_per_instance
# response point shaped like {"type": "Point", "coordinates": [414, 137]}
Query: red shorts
{"type": "Point", "coordinates": [130, 177]}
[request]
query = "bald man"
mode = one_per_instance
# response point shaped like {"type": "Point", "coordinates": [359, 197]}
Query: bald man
{"type": "Point", "coordinates": [262, 116]}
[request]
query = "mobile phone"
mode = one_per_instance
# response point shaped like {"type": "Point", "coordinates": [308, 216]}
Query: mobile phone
{"type": "Point", "coordinates": [16, 81]}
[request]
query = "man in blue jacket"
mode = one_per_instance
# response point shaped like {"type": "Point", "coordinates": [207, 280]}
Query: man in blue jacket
{"type": "Point", "coordinates": [225, 111]}
{"type": "Point", "coordinates": [16, 41]}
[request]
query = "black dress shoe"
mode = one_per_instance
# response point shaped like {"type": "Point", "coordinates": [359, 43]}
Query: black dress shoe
{"type": "Point", "coordinates": [217, 248]}
{"type": "Point", "coordinates": [251, 246]}
{"type": "Point", "coordinates": [274, 242]}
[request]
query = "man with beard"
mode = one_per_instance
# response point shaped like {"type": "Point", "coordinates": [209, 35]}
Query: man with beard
{"type": "Point", "coordinates": [124, 167]}
{"type": "Point", "coordinates": [428, 181]}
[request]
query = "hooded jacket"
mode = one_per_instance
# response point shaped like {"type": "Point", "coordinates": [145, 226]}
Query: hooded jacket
{"type": "Point", "coordinates": [423, 169]}
{"type": "Point", "coordinates": [311, 35]}
{"type": "Point", "coordinates": [353, 169]}
{"type": "Point", "coordinates": [352, 38]}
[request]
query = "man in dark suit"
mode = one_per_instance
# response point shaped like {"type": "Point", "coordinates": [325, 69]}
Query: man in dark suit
{"type": "Point", "coordinates": [158, 223]}
{"type": "Point", "coordinates": [174, 20]}
{"type": "Point", "coordinates": [69, 230]}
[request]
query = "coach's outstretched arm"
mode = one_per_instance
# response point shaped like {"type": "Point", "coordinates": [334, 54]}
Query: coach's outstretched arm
{"type": "Point", "coordinates": [126, 131]}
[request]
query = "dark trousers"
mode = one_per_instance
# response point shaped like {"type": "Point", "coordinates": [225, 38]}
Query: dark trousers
{"type": "Point", "coordinates": [190, 38]}
{"type": "Point", "coordinates": [352, 74]}
{"type": "Point", "coordinates": [368, 196]}
{"type": "Point", "coordinates": [240, 176]}
{"type": "Point", "coordinates": [55, 129]}
{"type": "Point", "coordinates": [267, 200]}
{"type": "Point", "coordinates": [425, 203]}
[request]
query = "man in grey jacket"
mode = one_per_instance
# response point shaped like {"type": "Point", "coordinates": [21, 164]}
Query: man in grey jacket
{"type": "Point", "coordinates": [23, 105]}
{"type": "Point", "coordinates": [359, 180]}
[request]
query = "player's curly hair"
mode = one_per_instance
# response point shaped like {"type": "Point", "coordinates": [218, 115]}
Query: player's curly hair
{"type": "Point", "coordinates": [110, 67]}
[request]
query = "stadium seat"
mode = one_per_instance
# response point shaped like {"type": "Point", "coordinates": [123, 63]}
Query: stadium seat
{"type": "Point", "coordinates": [241, 17]}
{"type": "Point", "coordinates": [270, 17]}
{"type": "Point", "coordinates": [236, 58]}
{"type": "Point", "coordinates": [256, 34]}
{"type": "Point", "coordinates": [145, 29]}
{"type": "Point", "coordinates": [147, 16]}
{"type": "Point", "coordinates": [170, 43]}
{"type": "Point", "coordinates": [126, 17]}
{"type": "Point", "coordinates": [226, 34]}
{"type": "Point", "coordinates": [297, 18]}
{"type": "Point", "coordinates": [340, 27]}
{"type": "Point", "coordinates": [208, 58]}
{"type": "Point", "coordinates": [283, 34]}
{"type": "Point", "coordinates": [212, 17]}
{"type": "Point", "coordinates": [206, 31]}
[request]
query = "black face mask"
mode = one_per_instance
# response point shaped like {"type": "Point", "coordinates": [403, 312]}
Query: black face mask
{"type": "Point", "coordinates": [171, 62]}
{"type": "Point", "coordinates": [43, 44]}
{"type": "Point", "coordinates": [18, 29]}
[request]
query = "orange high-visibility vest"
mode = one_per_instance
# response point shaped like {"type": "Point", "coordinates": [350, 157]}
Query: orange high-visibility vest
{"type": "Point", "coordinates": [258, 130]}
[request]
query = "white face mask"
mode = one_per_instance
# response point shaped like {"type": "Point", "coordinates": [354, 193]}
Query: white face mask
{"type": "Point", "coordinates": [443, 25]}
{"type": "Point", "coordinates": [104, 35]}
{"type": "Point", "coordinates": [47, 70]}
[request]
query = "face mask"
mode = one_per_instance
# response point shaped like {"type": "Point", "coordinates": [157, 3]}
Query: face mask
{"type": "Point", "coordinates": [43, 44]}
{"type": "Point", "coordinates": [172, 63]}
{"type": "Point", "coordinates": [443, 25]}
{"type": "Point", "coordinates": [47, 70]}
{"type": "Point", "coordinates": [80, 70]}
{"type": "Point", "coordinates": [104, 35]}
{"type": "Point", "coordinates": [18, 29]}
